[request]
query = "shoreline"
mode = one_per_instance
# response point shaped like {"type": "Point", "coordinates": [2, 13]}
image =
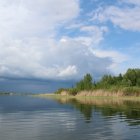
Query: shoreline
{"type": "Point", "coordinates": [55, 96]}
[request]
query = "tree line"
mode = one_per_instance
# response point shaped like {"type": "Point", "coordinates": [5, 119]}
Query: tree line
{"type": "Point", "coordinates": [128, 82]}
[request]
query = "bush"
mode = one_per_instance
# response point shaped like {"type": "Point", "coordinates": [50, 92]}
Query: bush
{"type": "Point", "coordinates": [131, 91]}
{"type": "Point", "coordinates": [72, 91]}
{"type": "Point", "coordinates": [114, 89]}
{"type": "Point", "coordinates": [59, 91]}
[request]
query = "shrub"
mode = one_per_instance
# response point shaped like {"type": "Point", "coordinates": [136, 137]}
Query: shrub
{"type": "Point", "coordinates": [131, 91]}
{"type": "Point", "coordinates": [59, 91]}
{"type": "Point", "coordinates": [72, 91]}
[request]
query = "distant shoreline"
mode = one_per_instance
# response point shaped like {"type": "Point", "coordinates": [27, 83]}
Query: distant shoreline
{"type": "Point", "coordinates": [6, 93]}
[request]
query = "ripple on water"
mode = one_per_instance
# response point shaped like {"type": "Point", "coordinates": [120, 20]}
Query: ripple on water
{"type": "Point", "coordinates": [44, 119]}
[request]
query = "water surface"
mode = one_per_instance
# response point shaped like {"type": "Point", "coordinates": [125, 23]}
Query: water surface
{"type": "Point", "coordinates": [29, 118]}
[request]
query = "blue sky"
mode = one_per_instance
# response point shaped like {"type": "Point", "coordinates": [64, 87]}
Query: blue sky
{"type": "Point", "coordinates": [62, 40]}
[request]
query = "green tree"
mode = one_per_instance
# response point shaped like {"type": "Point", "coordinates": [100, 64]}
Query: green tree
{"type": "Point", "coordinates": [85, 84]}
{"type": "Point", "coordinates": [131, 76]}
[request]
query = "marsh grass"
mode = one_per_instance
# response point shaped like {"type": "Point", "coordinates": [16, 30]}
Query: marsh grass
{"type": "Point", "coordinates": [89, 97]}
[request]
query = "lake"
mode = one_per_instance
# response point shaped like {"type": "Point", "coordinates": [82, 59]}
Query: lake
{"type": "Point", "coordinates": [32, 118]}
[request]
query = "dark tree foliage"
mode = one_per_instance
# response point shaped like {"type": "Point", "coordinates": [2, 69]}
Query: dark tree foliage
{"type": "Point", "coordinates": [129, 79]}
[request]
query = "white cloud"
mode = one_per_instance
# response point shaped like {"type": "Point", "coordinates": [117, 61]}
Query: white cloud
{"type": "Point", "coordinates": [48, 59]}
{"type": "Point", "coordinates": [135, 2]}
{"type": "Point", "coordinates": [69, 71]}
{"type": "Point", "coordinates": [117, 57]}
{"type": "Point", "coordinates": [29, 47]}
{"type": "Point", "coordinates": [94, 35]}
{"type": "Point", "coordinates": [126, 17]}
{"type": "Point", "coordinates": [20, 18]}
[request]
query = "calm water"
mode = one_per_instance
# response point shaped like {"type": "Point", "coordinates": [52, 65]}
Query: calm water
{"type": "Point", "coordinates": [28, 118]}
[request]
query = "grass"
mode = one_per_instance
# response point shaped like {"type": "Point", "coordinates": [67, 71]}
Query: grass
{"type": "Point", "coordinates": [58, 96]}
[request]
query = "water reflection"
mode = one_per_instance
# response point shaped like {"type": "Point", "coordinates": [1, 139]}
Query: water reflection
{"type": "Point", "coordinates": [108, 107]}
{"type": "Point", "coordinates": [28, 118]}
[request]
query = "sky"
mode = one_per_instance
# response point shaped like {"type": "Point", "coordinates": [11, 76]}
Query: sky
{"type": "Point", "coordinates": [48, 44]}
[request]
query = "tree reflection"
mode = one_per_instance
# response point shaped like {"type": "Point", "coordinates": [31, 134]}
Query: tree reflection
{"type": "Point", "coordinates": [108, 107]}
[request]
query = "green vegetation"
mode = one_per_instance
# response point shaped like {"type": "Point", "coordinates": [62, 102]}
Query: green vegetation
{"type": "Point", "coordinates": [85, 84]}
{"type": "Point", "coordinates": [128, 84]}
{"type": "Point", "coordinates": [5, 93]}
